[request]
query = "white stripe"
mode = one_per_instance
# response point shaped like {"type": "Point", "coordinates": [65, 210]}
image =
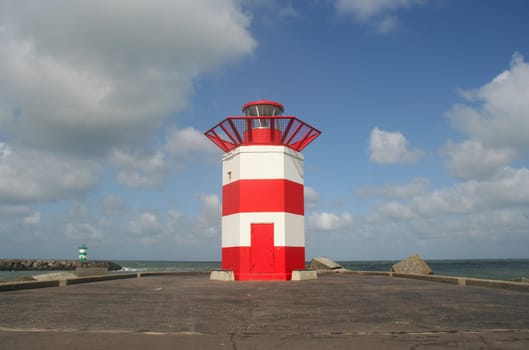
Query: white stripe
{"type": "Point", "coordinates": [262, 162]}
{"type": "Point", "coordinates": [289, 229]}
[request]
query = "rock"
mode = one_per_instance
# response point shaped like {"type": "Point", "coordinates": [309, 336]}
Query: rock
{"type": "Point", "coordinates": [5, 265]}
{"type": "Point", "coordinates": [412, 264]}
{"type": "Point", "coordinates": [323, 263]}
{"type": "Point", "coordinates": [44, 265]}
{"type": "Point", "coordinates": [112, 266]}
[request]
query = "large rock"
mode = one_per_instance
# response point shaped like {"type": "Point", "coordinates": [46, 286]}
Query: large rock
{"type": "Point", "coordinates": [413, 264]}
{"type": "Point", "coordinates": [323, 263]}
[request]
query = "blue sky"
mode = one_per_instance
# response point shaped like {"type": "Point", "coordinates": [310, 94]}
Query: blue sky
{"type": "Point", "coordinates": [423, 107]}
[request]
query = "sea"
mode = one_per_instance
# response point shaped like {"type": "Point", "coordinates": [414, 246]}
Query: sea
{"type": "Point", "coordinates": [500, 269]}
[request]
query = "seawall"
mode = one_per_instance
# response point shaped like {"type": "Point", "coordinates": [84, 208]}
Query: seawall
{"type": "Point", "coordinates": [52, 264]}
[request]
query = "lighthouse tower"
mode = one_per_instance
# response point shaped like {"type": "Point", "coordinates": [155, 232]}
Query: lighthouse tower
{"type": "Point", "coordinates": [263, 229]}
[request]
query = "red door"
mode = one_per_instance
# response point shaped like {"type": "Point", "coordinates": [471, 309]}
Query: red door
{"type": "Point", "coordinates": [262, 249]}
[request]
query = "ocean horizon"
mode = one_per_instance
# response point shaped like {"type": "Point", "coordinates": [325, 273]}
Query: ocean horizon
{"type": "Point", "coordinates": [500, 269]}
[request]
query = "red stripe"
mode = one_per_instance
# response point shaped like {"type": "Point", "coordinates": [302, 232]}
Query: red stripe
{"type": "Point", "coordinates": [286, 259]}
{"type": "Point", "coordinates": [272, 195]}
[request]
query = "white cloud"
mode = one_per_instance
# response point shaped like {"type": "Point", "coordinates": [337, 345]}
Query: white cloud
{"type": "Point", "coordinates": [173, 227]}
{"type": "Point", "coordinates": [470, 209]}
{"type": "Point", "coordinates": [496, 120]}
{"type": "Point", "coordinates": [32, 176]}
{"type": "Point", "coordinates": [33, 219]}
{"type": "Point", "coordinates": [136, 169]}
{"type": "Point", "coordinates": [209, 218]}
{"type": "Point", "coordinates": [378, 13]}
{"type": "Point", "coordinates": [5, 151]}
{"type": "Point", "coordinates": [312, 197]}
{"type": "Point", "coordinates": [493, 209]}
{"type": "Point", "coordinates": [386, 24]}
{"type": "Point", "coordinates": [210, 201]}
{"type": "Point", "coordinates": [146, 224]}
{"type": "Point", "coordinates": [112, 205]}
{"type": "Point", "coordinates": [85, 82]}
{"type": "Point", "coordinates": [416, 187]}
{"type": "Point", "coordinates": [83, 231]}
{"type": "Point", "coordinates": [150, 233]}
{"type": "Point", "coordinates": [395, 211]}
{"type": "Point", "coordinates": [391, 148]}
{"type": "Point", "coordinates": [183, 143]}
{"type": "Point", "coordinates": [84, 77]}
{"type": "Point", "coordinates": [14, 210]}
{"type": "Point", "coordinates": [508, 190]}
{"type": "Point", "coordinates": [502, 117]}
{"type": "Point", "coordinates": [323, 221]}
{"type": "Point", "coordinates": [472, 160]}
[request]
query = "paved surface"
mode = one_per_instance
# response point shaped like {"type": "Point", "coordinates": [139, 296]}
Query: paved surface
{"type": "Point", "coordinates": [333, 312]}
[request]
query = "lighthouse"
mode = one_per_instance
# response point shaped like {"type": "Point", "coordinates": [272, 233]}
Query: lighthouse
{"type": "Point", "coordinates": [263, 226]}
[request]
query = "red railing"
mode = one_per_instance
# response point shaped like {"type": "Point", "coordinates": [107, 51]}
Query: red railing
{"type": "Point", "coordinates": [287, 131]}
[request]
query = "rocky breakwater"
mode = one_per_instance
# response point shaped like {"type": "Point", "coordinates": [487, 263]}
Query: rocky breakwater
{"type": "Point", "coordinates": [49, 264]}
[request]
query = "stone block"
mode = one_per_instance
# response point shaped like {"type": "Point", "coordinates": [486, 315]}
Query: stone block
{"type": "Point", "coordinates": [413, 264]}
{"type": "Point", "coordinates": [323, 263]}
{"type": "Point", "coordinates": [304, 275]}
{"type": "Point", "coordinates": [222, 275]}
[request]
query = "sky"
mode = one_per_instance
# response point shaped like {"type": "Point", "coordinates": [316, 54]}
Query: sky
{"type": "Point", "coordinates": [423, 107]}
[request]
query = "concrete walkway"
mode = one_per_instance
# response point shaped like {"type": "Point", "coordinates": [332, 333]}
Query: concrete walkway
{"type": "Point", "coordinates": [333, 312]}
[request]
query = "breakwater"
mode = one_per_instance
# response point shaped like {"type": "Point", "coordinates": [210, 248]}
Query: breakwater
{"type": "Point", "coordinates": [52, 264]}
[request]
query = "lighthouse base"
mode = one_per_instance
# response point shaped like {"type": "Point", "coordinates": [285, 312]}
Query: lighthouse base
{"type": "Point", "coordinates": [276, 266]}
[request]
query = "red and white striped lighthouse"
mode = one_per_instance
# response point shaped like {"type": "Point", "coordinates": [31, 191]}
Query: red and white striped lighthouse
{"type": "Point", "coordinates": [263, 229]}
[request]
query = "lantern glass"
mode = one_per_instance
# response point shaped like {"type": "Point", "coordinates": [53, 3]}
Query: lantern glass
{"type": "Point", "coordinates": [259, 110]}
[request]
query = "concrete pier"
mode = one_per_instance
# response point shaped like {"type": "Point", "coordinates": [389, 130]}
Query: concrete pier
{"type": "Point", "coordinates": [336, 311]}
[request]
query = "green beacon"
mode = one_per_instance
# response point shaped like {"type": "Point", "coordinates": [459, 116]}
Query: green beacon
{"type": "Point", "coordinates": [82, 253]}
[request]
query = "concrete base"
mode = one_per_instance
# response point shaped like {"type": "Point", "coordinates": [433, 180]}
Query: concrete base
{"type": "Point", "coordinates": [222, 275]}
{"type": "Point", "coordinates": [304, 275]}
{"type": "Point", "coordinates": [90, 271]}
{"type": "Point", "coordinates": [54, 276]}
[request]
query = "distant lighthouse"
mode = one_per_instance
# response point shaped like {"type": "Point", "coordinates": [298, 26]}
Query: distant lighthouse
{"type": "Point", "coordinates": [83, 253]}
{"type": "Point", "coordinates": [263, 226]}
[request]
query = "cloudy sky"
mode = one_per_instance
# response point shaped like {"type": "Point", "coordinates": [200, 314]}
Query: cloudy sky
{"type": "Point", "coordinates": [423, 105]}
